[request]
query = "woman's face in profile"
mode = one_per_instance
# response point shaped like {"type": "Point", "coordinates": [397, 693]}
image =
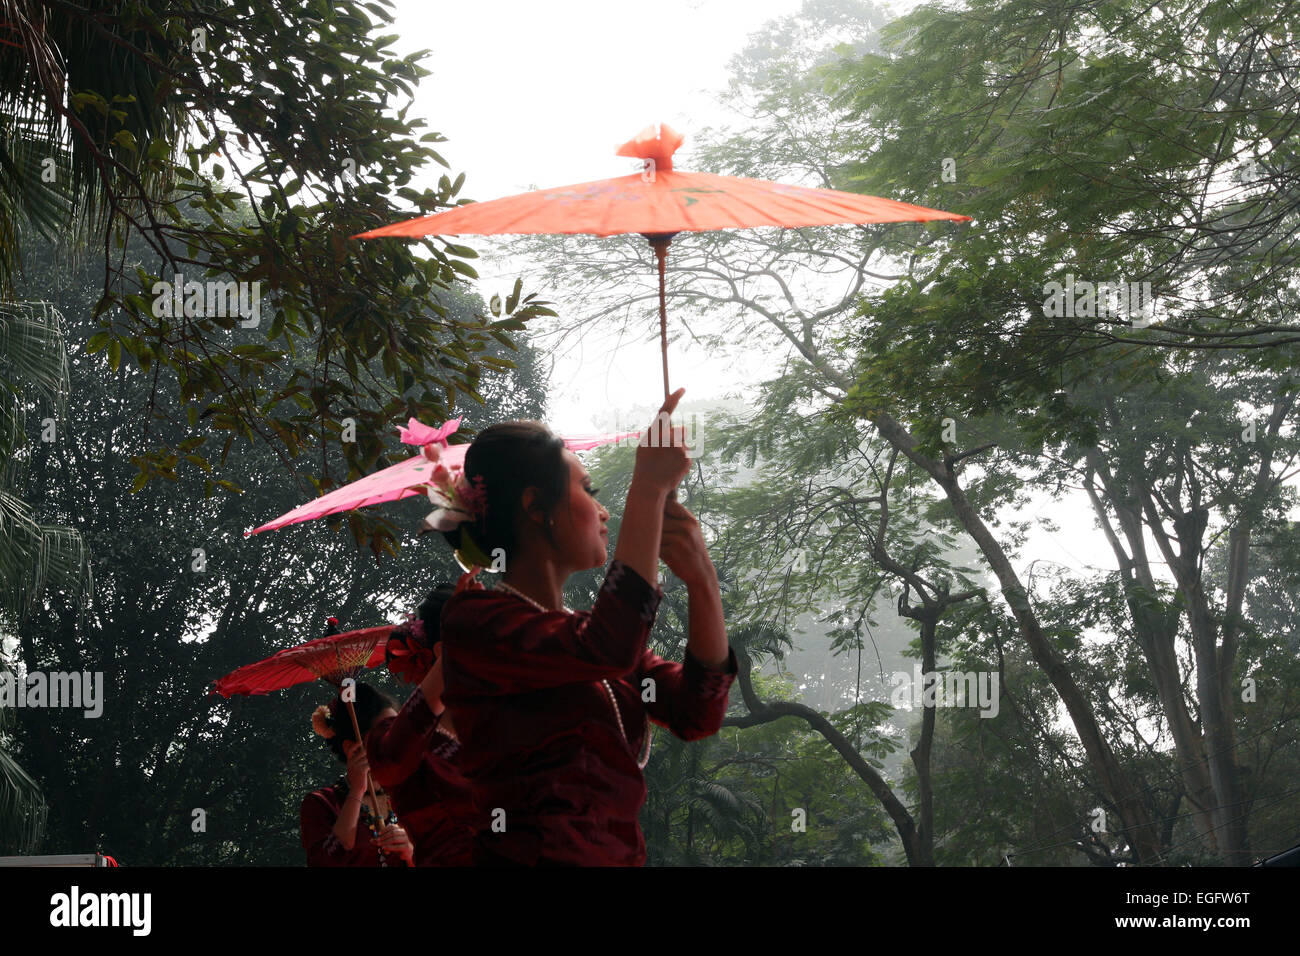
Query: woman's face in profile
{"type": "Point", "coordinates": [351, 745]}
{"type": "Point", "coordinates": [580, 531]}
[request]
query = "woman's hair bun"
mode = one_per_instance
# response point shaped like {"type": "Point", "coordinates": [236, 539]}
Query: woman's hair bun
{"type": "Point", "coordinates": [505, 459]}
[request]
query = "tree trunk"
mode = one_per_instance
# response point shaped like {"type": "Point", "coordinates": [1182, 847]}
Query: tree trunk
{"type": "Point", "coordinates": [920, 754]}
{"type": "Point", "coordinates": [1156, 634]}
{"type": "Point", "coordinates": [1138, 825]}
{"type": "Point", "coordinates": [761, 712]}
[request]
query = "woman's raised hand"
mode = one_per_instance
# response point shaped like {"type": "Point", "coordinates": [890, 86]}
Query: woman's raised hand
{"type": "Point", "coordinates": [358, 770]}
{"type": "Point", "coordinates": [682, 547]}
{"type": "Point", "coordinates": [661, 460]}
{"type": "Point", "coordinates": [396, 841]}
{"type": "Point", "coordinates": [661, 463]}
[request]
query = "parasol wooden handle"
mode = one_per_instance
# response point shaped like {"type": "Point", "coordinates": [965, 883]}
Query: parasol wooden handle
{"type": "Point", "coordinates": [370, 783]}
{"type": "Point", "coordinates": [660, 244]}
{"type": "Point", "coordinates": [661, 253]}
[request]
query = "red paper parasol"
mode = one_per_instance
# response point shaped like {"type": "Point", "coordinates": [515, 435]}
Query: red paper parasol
{"type": "Point", "coordinates": [658, 203]}
{"type": "Point", "coordinates": [334, 658]}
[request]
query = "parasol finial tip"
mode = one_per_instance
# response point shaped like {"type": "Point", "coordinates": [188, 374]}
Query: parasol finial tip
{"type": "Point", "coordinates": [658, 141]}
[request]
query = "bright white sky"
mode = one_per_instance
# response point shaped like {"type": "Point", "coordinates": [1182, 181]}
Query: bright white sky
{"type": "Point", "coordinates": [541, 94]}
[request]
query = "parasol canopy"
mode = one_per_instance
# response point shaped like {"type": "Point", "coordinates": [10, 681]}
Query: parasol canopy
{"type": "Point", "coordinates": [410, 477]}
{"type": "Point", "coordinates": [660, 200]}
{"type": "Point", "coordinates": [332, 658]}
{"type": "Point", "coordinates": [658, 203]}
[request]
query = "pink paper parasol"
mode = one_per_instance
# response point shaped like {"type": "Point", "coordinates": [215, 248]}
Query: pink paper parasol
{"type": "Point", "coordinates": [411, 477]}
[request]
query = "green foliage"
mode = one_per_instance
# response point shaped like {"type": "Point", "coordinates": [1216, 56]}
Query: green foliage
{"type": "Point", "coordinates": [1115, 145]}
{"type": "Point", "coordinates": [165, 620]}
{"type": "Point", "coordinates": [1099, 140]}
{"type": "Point", "coordinates": [731, 800]}
{"type": "Point", "coordinates": [246, 142]}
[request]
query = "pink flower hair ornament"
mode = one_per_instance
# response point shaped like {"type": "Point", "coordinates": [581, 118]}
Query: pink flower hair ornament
{"type": "Point", "coordinates": [458, 503]}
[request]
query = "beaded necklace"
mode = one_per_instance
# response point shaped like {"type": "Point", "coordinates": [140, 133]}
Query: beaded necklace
{"type": "Point", "coordinates": [613, 702]}
{"type": "Point", "coordinates": [372, 823]}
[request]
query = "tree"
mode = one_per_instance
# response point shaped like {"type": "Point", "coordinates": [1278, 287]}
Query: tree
{"type": "Point", "coordinates": [244, 142]}
{"type": "Point", "coordinates": [181, 598]}
{"type": "Point", "coordinates": [1119, 144]}
{"type": "Point", "coordinates": [1005, 351]}
{"type": "Point", "coordinates": [826, 525]}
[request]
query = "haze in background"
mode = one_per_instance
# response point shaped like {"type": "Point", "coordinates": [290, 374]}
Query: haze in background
{"type": "Point", "coordinates": [543, 95]}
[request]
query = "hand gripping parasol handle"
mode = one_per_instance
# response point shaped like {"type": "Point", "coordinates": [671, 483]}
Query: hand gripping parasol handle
{"type": "Point", "coordinates": [370, 783]}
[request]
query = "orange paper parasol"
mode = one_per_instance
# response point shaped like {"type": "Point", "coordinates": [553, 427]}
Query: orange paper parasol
{"type": "Point", "coordinates": [658, 203]}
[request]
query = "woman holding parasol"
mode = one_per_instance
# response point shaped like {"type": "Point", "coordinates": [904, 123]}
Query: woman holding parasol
{"type": "Point", "coordinates": [350, 823]}
{"type": "Point", "coordinates": [334, 819]}
{"type": "Point", "coordinates": [414, 753]}
{"type": "Point", "coordinates": [553, 706]}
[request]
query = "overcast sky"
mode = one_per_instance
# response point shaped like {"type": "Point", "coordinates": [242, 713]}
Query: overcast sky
{"type": "Point", "coordinates": [541, 95]}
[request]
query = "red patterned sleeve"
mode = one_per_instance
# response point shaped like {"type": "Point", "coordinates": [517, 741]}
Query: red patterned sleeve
{"type": "Point", "coordinates": [688, 698]}
{"type": "Point", "coordinates": [497, 644]}
{"type": "Point", "coordinates": [395, 746]}
{"type": "Point", "coordinates": [317, 819]}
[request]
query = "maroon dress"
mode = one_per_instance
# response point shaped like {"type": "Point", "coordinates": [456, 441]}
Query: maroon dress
{"type": "Point", "coordinates": [553, 767]}
{"type": "Point", "coordinates": [320, 810]}
{"type": "Point", "coordinates": [416, 763]}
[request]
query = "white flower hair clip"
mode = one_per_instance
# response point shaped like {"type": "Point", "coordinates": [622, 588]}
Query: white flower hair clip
{"type": "Point", "coordinates": [455, 500]}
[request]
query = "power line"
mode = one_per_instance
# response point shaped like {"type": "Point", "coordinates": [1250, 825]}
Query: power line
{"type": "Point", "coordinates": [1234, 819]}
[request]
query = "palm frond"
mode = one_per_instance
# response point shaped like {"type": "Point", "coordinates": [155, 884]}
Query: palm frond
{"type": "Point", "coordinates": [22, 808]}
{"type": "Point", "coordinates": [79, 109]}
{"type": "Point", "coordinates": [730, 812]}
{"type": "Point", "coordinates": [33, 350]}
{"type": "Point", "coordinates": [34, 557]}
{"type": "Point", "coordinates": [760, 638]}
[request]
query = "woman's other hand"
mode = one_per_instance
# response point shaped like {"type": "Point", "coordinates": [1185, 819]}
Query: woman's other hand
{"type": "Point", "coordinates": [682, 546]}
{"type": "Point", "coordinates": [395, 841]}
